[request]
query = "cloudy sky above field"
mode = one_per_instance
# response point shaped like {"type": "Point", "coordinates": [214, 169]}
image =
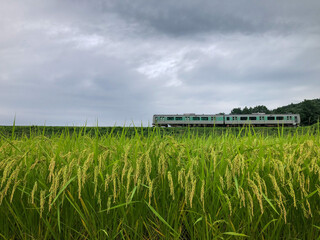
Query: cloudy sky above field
{"type": "Point", "coordinates": [71, 61]}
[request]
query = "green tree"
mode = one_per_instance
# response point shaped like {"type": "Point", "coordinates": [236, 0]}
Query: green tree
{"type": "Point", "coordinates": [236, 111]}
{"type": "Point", "coordinates": [260, 109]}
{"type": "Point", "coordinates": [246, 110]}
{"type": "Point", "coordinates": [309, 112]}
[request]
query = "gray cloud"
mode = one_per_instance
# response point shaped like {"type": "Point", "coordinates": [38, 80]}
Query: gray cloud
{"type": "Point", "coordinates": [67, 62]}
{"type": "Point", "coordinates": [204, 16]}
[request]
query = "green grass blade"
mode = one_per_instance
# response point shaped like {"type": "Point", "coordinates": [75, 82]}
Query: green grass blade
{"type": "Point", "coordinates": [118, 206]}
{"type": "Point", "coordinates": [270, 203]}
{"type": "Point", "coordinates": [1, 235]}
{"type": "Point", "coordinates": [265, 227]}
{"type": "Point", "coordinates": [235, 234]}
{"type": "Point", "coordinates": [161, 218]}
{"type": "Point", "coordinates": [311, 194]}
{"type": "Point", "coordinates": [198, 220]}
{"type": "Point", "coordinates": [62, 189]}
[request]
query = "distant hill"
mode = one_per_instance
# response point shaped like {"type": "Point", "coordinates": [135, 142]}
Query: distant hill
{"type": "Point", "coordinates": [309, 110]}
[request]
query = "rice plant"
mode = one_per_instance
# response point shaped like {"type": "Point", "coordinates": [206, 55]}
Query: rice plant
{"type": "Point", "coordinates": [160, 186]}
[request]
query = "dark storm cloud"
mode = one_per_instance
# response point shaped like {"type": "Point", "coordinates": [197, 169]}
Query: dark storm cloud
{"type": "Point", "coordinates": [205, 16]}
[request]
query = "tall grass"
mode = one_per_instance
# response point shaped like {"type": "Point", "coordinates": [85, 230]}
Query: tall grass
{"type": "Point", "coordinates": [158, 186]}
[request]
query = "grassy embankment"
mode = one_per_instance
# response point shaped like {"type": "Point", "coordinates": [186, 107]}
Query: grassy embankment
{"type": "Point", "coordinates": [157, 185]}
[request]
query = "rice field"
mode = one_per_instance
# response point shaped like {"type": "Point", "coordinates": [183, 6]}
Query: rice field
{"type": "Point", "coordinates": [243, 185]}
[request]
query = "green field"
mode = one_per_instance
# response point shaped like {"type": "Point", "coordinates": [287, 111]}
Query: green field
{"type": "Point", "coordinates": [49, 131]}
{"type": "Point", "coordinates": [151, 183]}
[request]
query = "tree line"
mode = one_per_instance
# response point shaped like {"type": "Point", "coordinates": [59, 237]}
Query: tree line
{"type": "Point", "coordinates": [309, 110]}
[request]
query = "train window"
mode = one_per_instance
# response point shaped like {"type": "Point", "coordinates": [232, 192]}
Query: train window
{"type": "Point", "coordinates": [261, 118]}
{"type": "Point", "coordinates": [196, 118]}
{"type": "Point", "coordinates": [234, 118]}
{"type": "Point", "coordinates": [156, 118]}
{"type": "Point", "coordinates": [178, 118]}
{"type": "Point", "coordinates": [170, 118]}
{"type": "Point", "coordinates": [271, 118]}
{"type": "Point", "coordinates": [227, 118]}
{"type": "Point", "coordinates": [243, 118]}
{"type": "Point", "coordinates": [213, 118]}
{"type": "Point", "coordinates": [279, 118]}
{"type": "Point", "coordinates": [204, 118]}
{"type": "Point", "coordinates": [253, 118]}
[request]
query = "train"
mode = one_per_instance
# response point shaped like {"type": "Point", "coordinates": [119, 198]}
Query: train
{"type": "Point", "coordinates": [225, 120]}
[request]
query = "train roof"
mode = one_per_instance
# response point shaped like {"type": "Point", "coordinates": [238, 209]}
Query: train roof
{"type": "Point", "coordinates": [249, 114]}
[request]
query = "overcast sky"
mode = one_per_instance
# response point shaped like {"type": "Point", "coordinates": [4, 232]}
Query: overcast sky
{"type": "Point", "coordinates": [121, 61]}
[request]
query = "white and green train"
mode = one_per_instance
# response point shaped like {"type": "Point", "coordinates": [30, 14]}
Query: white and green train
{"type": "Point", "coordinates": [209, 120]}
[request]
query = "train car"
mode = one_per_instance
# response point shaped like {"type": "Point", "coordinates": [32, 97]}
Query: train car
{"type": "Point", "coordinates": [262, 120]}
{"type": "Point", "coordinates": [230, 120]}
{"type": "Point", "coordinates": [187, 119]}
